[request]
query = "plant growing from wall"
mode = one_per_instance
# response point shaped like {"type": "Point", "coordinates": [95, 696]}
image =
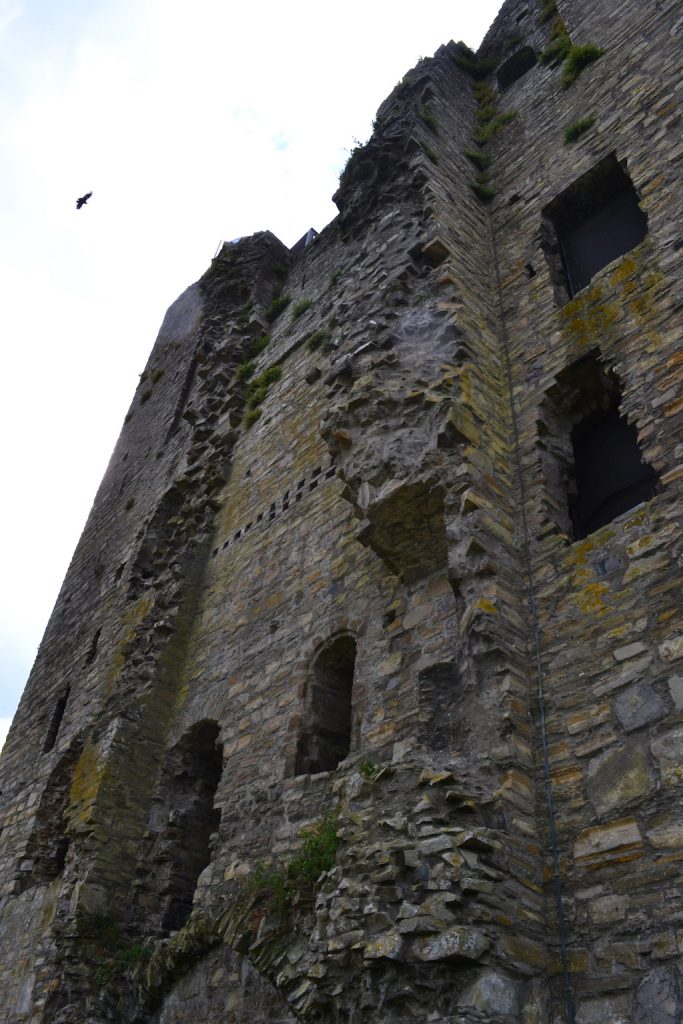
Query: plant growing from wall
{"type": "Point", "coordinates": [578, 58]}
{"type": "Point", "coordinates": [101, 939]}
{"type": "Point", "coordinates": [489, 124]}
{"type": "Point", "coordinates": [547, 9]}
{"type": "Point", "coordinates": [245, 370]}
{"type": "Point", "coordinates": [278, 889]}
{"type": "Point", "coordinates": [350, 167]}
{"type": "Point", "coordinates": [151, 378]}
{"type": "Point", "coordinates": [477, 68]}
{"type": "Point", "coordinates": [278, 303]}
{"type": "Point", "coordinates": [318, 339]}
{"type": "Point", "coordinates": [576, 129]}
{"type": "Point", "coordinates": [561, 50]}
{"type": "Point", "coordinates": [257, 391]}
{"type": "Point", "coordinates": [369, 769]}
{"type": "Point", "coordinates": [300, 307]}
{"type": "Point", "coordinates": [560, 43]}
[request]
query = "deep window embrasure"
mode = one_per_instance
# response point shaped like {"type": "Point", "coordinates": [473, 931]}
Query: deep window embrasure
{"type": "Point", "coordinates": [325, 739]}
{"type": "Point", "coordinates": [516, 66]}
{"type": "Point", "coordinates": [593, 467]}
{"type": "Point", "coordinates": [181, 824]}
{"type": "Point", "coordinates": [594, 221]}
{"type": "Point", "coordinates": [55, 722]}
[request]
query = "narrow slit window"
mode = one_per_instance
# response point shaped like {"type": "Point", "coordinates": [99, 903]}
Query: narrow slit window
{"type": "Point", "coordinates": [55, 722]}
{"type": "Point", "coordinates": [596, 220]}
{"type": "Point", "coordinates": [326, 737]}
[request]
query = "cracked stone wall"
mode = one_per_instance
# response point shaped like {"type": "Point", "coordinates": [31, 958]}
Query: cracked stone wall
{"type": "Point", "coordinates": [370, 462]}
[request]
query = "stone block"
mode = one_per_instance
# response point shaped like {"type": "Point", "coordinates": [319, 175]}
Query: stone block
{"type": "Point", "coordinates": [657, 1000]}
{"type": "Point", "coordinates": [595, 845]}
{"type": "Point", "coordinates": [459, 942]}
{"type": "Point", "coordinates": [387, 946]}
{"type": "Point", "coordinates": [638, 705]}
{"type": "Point", "coordinates": [630, 650]}
{"type": "Point", "coordinates": [609, 1010]}
{"type": "Point", "coordinates": [668, 750]}
{"type": "Point", "coordinates": [672, 649]}
{"type": "Point", "coordinates": [676, 690]}
{"type": "Point", "coordinates": [493, 993]}
{"type": "Point", "coordinates": [619, 776]}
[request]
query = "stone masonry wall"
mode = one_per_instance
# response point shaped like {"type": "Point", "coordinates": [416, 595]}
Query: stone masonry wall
{"type": "Point", "coordinates": [609, 609]}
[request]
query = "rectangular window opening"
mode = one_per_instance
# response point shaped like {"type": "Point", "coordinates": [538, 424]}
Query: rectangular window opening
{"type": "Point", "coordinates": [590, 224]}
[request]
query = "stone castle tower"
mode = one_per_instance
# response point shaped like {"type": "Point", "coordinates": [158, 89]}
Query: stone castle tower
{"type": "Point", "coordinates": [362, 699]}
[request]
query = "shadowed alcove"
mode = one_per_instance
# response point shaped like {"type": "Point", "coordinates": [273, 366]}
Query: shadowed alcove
{"type": "Point", "coordinates": [325, 739]}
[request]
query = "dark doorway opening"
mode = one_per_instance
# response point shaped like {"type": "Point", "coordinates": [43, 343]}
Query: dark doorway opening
{"type": "Point", "coordinates": [326, 737]}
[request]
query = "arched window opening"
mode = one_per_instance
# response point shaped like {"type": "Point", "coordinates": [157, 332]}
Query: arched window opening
{"type": "Point", "coordinates": [326, 737]}
{"type": "Point", "coordinates": [590, 224]}
{"type": "Point", "coordinates": [515, 67]}
{"type": "Point", "coordinates": [182, 823]}
{"type": "Point", "coordinates": [594, 468]}
{"type": "Point", "coordinates": [55, 722]}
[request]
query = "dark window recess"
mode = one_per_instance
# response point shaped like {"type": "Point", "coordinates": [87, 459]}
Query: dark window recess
{"type": "Point", "coordinates": [55, 722]}
{"type": "Point", "coordinates": [48, 845]}
{"type": "Point", "coordinates": [596, 220]}
{"type": "Point", "coordinates": [326, 737]}
{"type": "Point", "coordinates": [181, 824]}
{"type": "Point", "coordinates": [592, 465]}
{"type": "Point", "coordinates": [92, 650]}
{"type": "Point", "coordinates": [609, 472]}
{"type": "Point", "coordinates": [439, 705]}
{"type": "Point", "coordinates": [515, 66]}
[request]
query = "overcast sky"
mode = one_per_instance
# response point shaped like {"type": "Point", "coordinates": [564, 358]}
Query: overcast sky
{"type": "Point", "coordinates": [191, 123]}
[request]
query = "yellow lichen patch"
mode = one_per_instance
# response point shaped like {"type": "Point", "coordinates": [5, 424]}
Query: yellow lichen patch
{"type": "Point", "coordinates": [640, 545]}
{"type": "Point", "coordinates": [485, 605]}
{"type": "Point", "coordinates": [591, 601]}
{"type": "Point", "coordinates": [640, 517]}
{"type": "Point", "coordinates": [670, 613]}
{"type": "Point", "coordinates": [128, 634]}
{"type": "Point", "coordinates": [578, 305]}
{"type": "Point", "coordinates": [87, 779]}
{"type": "Point", "coordinates": [624, 270]}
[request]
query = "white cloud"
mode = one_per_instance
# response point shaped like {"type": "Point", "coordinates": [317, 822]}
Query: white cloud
{"type": "Point", "coordinates": [10, 10]}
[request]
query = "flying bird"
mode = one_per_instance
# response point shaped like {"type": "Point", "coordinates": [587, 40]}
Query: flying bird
{"type": "Point", "coordinates": [83, 200]}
